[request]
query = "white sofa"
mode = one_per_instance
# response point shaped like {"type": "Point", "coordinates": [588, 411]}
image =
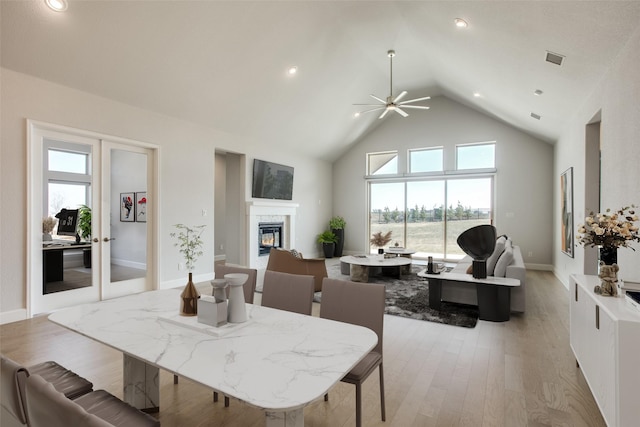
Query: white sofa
{"type": "Point", "coordinates": [465, 293]}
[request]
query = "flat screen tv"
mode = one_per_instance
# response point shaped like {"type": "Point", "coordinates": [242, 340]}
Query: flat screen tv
{"type": "Point", "coordinates": [272, 180]}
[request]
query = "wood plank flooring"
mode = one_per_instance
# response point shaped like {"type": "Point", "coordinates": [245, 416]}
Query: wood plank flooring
{"type": "Point", "coordinates": [513, 374]}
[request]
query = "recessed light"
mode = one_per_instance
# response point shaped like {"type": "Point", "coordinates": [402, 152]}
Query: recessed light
{"type": "Point", "coordinates": [357, 114]}
{"type": "Point", "coordinates": [57, 5]}
{"type": "Point", "coordinates": [537, 92]}
{"type": "Point", "coordinates": [477, 94]}
{"type": "Point", "coordinates": [292, 70]}
{"type": "Point", "coordinates": [460, 23]}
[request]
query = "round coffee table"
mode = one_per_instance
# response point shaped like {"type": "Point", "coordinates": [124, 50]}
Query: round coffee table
{"type": "Point", "coordinates": [359, 265]}
{"type": "Point", "coordinates": [403, 252]}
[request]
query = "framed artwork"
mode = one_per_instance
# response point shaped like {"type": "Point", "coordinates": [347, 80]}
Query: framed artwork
{"type": "Point", "coordinates": [141, 206]}
{"type": "Point", "coordinates": [127, 210]}
{"type": "Point", "coordinates": [566, 206]}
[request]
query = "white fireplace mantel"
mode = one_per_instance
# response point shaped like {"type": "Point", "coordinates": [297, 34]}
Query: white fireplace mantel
{"type": "Point", "coordinates": [261, 211]}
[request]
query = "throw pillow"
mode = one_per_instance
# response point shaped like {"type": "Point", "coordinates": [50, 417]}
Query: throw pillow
{"type": "Point", "coordinates": [296, 253]}
{"type": "Point", "coordinates": [493, 259]}
{"type": "Point", "coordinates": [470, 269]}
{"type": "Point", "coordinates": [504, 260]}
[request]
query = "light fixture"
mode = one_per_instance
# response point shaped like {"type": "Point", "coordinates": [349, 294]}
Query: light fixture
{"type": "Point", "coordinates": [477, 94]}
{"type": "Point", "coordinates": [292, 70]}
{"type": "Point", "coordinates": [57, 5]}
{"type": "Point", "coordinates": [357, 114]}
{"type": "Point", "coordinates": [460, 23]}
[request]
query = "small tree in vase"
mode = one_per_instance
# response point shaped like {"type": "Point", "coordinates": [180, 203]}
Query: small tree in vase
{"type": "Point", "coordinates": [189, 244]}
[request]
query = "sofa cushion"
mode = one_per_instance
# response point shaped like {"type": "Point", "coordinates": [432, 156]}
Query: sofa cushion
{"type": "Point", "coordinates": [493, 259]}
{"type": "Point", "coordinates": [505, 259]}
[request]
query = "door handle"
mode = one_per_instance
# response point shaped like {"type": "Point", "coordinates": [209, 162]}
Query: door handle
{"type": "Point", "coordinates": [106, 239]}
{"type": "Point", "coordinates": [96, 240]}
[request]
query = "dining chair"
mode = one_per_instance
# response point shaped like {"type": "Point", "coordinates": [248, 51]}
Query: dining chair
{"type": "Point", "coordinates": [359, 304]}
{"type": "Point", "coordinates": [290, 292]}
{"type": "Point", "coordinates": [249, 289]}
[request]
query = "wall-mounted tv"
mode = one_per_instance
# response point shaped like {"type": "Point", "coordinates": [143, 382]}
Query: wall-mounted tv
{"type": "Point", "coordinates": [272, 180]}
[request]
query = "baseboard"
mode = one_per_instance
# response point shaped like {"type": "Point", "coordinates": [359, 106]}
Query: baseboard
{"type": "Point", "coordinates": [562, 278]}
{"type": "Point", "coordinates": [542, 267]}
{"type": "Point", "coordinates": [130, 264]}
{"type": "Point", "coordinates": [13, 316]}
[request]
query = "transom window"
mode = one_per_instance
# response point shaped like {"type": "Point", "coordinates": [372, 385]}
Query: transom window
{"type": "Point", "coordinates": [426, 160]}
{"type": "Point", "coordinates": [476, 156]}
{"type": "Point", "coordinates": [382, 163]}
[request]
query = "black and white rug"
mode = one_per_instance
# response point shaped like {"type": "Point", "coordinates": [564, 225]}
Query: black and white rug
{"type": "Point", "coordinates": [409, 297]}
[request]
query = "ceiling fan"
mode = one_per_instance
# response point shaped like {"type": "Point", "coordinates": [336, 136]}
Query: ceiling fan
{"type": "Point", "coordinates": [393, 104]}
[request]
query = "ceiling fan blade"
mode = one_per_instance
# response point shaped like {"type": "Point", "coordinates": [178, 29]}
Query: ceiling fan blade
{"type": "Point", "coordinates": [378, 99]}
{"type": "Point", "coordinates": [416, 106]}
{"type": "Point", "coordinates": [414, 100]}
{"type": "Point", "coordinates": [384, 113]}
{"type": "Point", "coordinates": [399, 111]}
{"type": "Point", "coordinates": [373, 109]}
{"type": "Point", "coordinates": [370, 105]}
{"type": "Point", "coordinates": [399, 97]}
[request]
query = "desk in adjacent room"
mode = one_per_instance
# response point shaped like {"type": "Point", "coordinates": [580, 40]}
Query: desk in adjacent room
{"type": "Point", "coordinates": [53, 260]}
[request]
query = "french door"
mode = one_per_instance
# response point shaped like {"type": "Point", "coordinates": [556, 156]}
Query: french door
{"type": "Point", "coordinates": [428, 215]}
{"type": "Point", "coordinates": [116, 256]}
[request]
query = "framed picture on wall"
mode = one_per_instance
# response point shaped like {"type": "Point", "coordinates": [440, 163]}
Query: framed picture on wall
{"type": "Point", "coordinates": [141, 206]}
{"type": "Point", "coordinates": [566, 207]}
{"type": "Point", "coordinates": [127, 210]}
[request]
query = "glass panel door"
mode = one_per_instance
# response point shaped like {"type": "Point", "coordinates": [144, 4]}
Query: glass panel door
{"type": "Point", "coordinates": [386, 213]}
{"type": "Point", "coordinates": [425, 218]}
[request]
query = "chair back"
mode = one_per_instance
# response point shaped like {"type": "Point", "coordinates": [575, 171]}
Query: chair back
{"type": "Point", "coordinates": [249, 286]}
{"type": "Point", "coordinates": [12, 380]}
{"type": "Point", "coordinates": [356, 303]}
{"type": "Point", "coordinates": [291, 292]}
{"type": "Point", "coordinates": [47, 407]}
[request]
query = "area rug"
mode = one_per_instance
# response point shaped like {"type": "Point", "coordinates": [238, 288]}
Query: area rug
{"type": "Point", "coordinates": [409, 297]}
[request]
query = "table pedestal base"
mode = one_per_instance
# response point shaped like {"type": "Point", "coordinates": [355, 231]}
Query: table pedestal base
{"type": "Point", "coordinates": [494, 303]}
{"type": "Point", "coordinates": [141, 383]}
{"type": "Point", "coordinates": [293, 418]}
{"type": "Point", "coordinates": [359, 273]}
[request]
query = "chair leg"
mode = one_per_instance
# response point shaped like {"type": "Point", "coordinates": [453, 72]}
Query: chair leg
{"type": "Point", "coordinates": [358, 405]}
{"type": "Point", "coordinates": [382, 409]}
{"type": "Point", "coordinates": [226, 402]}
{"type": "Point", "coordinates": [175, 379]}
{"type": "Point", "coordinates": [215, 396]}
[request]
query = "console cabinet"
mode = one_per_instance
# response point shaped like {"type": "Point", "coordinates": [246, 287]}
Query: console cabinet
{"type": "Point", "coordinates": [605, 339]}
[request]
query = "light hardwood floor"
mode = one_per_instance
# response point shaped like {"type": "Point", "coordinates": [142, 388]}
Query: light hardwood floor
{"type": "Point", "coordinates": [513, 374]}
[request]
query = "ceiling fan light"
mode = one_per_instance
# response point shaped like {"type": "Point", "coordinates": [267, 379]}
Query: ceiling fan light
{"type": "Point", "coordinates": [460, 23]}
{"type": "Point", "coordinates": [57, 5]}
{"type": "Point", "coordinates": [292, 70]}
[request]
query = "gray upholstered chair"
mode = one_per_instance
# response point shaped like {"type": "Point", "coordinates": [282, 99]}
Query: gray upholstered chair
{"type": "Point", "coordinates": [12, 381]}
{"type": "Point", "coordinates": [359, 304]}
{"type": "Point", "coordinates": [46, 407]}
{"type": "Point", "coordinates": [290, 292]}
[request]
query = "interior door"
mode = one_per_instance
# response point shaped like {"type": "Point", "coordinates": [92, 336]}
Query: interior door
{"type": "Point", "coordinates": [127, 218]}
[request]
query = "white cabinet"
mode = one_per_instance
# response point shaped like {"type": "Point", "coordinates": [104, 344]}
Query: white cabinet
{"type": "Point", "coordinates": [605, 339]}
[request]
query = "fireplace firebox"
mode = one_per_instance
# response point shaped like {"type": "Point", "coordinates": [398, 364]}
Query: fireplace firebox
{"type": "Point", "coordinates": [269, 236]}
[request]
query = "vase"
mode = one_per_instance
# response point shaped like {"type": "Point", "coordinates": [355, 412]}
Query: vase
{"type": "Point", "coordinates": [608, 255]}
{"type": "Point", "coordinates": [339, 232]}
{"type": "Point", "coordinates": [189, 299]}
{"type": "Point", "coordinates": [328, 249]}
{"type": "Point", "coordinates": [236, 309]}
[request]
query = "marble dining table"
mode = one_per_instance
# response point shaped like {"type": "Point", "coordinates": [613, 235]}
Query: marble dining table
{"type": "Point", "coordinates": [277, 361]}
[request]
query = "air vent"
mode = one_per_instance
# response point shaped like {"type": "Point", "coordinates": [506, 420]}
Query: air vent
{"type": "Point", "coordinates": [535, 116]}
{"type": "Point", "coordinates": [554, 58]}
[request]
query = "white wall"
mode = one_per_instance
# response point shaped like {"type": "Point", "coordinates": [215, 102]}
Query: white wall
{"type": "Point", "coordinates": [186, 164]}
{"type": "Point", "coordinates": [524, 181]}
{"type": "Point", "coordinates": [617, 97]}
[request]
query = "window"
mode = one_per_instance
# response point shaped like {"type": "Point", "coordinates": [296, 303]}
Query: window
{"type": "Point", "coordinates": [382, 163]}
{"type": "Point", "coordinates": [66, 161]}
{"type": "Point", "coordinates": [426, 160]}
{"type": "Point", "coordinates": [476, 156]}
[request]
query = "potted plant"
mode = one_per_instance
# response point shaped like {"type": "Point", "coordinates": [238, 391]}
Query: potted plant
{"type": "Point", "coordinates": [189, 244]}
{"type": "Point", "coordinates": [84, 231]}
{"type": "Point", "coordinates": [378, 239]}
{"type": "Point", "coordinates": [328, 240]}
{"type": "Point", "coordinates": [336, 224]}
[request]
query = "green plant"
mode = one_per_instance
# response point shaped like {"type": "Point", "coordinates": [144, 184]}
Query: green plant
{"type": "Point", "coordinates": [337, 223]}
{"type": "Point", "coordinates": [84, 221]}
{"type": "Point", "coordinates": [327, 237]}
{"type": "Point", "coordinates": [189, 243]}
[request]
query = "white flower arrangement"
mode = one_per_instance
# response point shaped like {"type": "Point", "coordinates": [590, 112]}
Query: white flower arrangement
{"type": "Point", "coordinates": [189, 243]}
{"type": "Point", "coordinates": [610, 230]}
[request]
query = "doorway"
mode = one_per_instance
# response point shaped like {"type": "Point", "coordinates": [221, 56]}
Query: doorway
{"type": "Point", "coordinates": [106, 186]}
{"type": "Point", "coordinates": [592, 179]}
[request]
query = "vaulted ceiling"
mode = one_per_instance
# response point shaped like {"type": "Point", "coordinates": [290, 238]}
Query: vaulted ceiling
{"type": "Point", "coordinates": [224, 64]}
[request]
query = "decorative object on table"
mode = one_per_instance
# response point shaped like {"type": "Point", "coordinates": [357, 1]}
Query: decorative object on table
{"type": "Point", "coordinates": [84, 231]}
{"type": "Point", "coordinates": [478, 242]}
{"type": "Point", "coordinates": [608, 280]}
{"type": "Point", "coordinates": [127, 211]}
{"type": "Point", "coordinates": [219, 289]}
{"type": "Point", "coordinates": [566, 211]}
{"type": "Point", "coordinates": [141, 206]}
{"type": "Point", "coordinates": [336, 224]}
{"type": "Point", "coordinates": [328, 240]}
{"type": "Point", "coordinates": [237, 310]}
{"type": "Point", "coordinates": [211, 311]}
{"type": "Point", "coordinates": [609, 231]}
{"type": "Point", "coordinates": [189, 244]}
{"type": "Point", "coordinates": [48, 224]}
{"type": "Point", "coordinates": [380, 240]}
